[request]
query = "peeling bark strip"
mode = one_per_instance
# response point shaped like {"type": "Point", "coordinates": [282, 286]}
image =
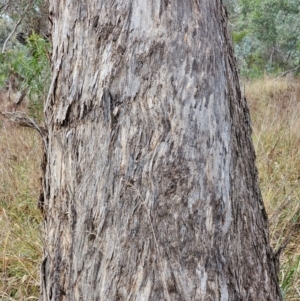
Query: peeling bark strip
{"type": "Point", "coordinates": [151, 192]}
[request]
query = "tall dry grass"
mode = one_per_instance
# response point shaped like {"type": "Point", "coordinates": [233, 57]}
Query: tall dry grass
{"type": "Point", "coordinates": [20, 220]}
{"type": "Point", "coordinates": [275, 111]}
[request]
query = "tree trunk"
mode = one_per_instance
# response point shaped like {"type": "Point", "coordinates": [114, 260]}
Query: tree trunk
{"type": "Point", "coordinates": [150, 189]}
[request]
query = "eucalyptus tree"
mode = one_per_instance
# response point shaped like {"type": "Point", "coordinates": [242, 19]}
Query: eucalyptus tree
{"type": "Point", "coordinates": [150, 187]}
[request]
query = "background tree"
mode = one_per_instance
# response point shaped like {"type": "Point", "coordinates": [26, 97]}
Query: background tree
{"type": "Point", "coordinates": [266, 35]}
{"type": "Point", "coordinates": [150, 188]}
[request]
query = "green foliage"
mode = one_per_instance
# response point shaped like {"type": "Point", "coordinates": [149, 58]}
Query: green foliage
{"type": "Point", "coordinates": [266, 35]}
{"type": "Point", "coordinates": [28, 66]}
{"type": "Point", "coordinates": [239, 36]}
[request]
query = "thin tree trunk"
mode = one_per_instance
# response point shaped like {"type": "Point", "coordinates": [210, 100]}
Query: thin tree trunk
{"type": "Point", "coordinates": [150, 189]}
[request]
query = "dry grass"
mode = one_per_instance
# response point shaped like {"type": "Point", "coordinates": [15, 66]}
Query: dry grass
{"type": "Point", "coordinates": [20, 220]}
{"type": "Point", "coordinates": [275, 110]}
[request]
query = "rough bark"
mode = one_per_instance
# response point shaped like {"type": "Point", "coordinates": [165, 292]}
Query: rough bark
{"type": "Point", "coordinates": [151, 191]}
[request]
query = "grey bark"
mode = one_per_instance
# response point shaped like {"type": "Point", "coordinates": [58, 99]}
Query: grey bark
{"type": "Point", "coordinates": [150, 189]}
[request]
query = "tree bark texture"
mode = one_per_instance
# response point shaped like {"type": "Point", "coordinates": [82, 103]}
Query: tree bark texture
{"type": "Point", "coordinates": [150, 189]}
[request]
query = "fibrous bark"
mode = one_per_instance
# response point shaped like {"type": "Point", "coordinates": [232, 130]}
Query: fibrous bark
{"type": "Point", "coordinates": [151, 191]}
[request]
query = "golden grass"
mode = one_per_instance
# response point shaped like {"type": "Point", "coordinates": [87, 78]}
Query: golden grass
{"type": "Point", "coordinates": [275, 111]}
{"type": "Point", "coordinates": [20, 220]}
